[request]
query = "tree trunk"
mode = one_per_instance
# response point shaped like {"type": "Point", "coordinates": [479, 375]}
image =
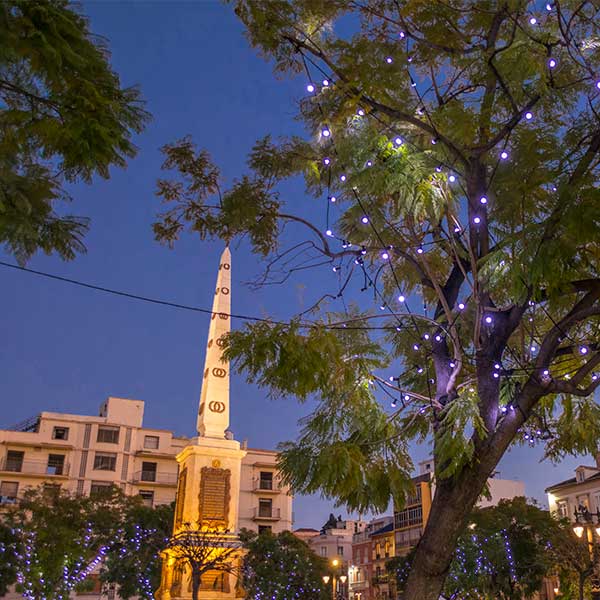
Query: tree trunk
{"type": "Point", "coordinates": [195, 584]}
{"type": "Point", "coordinates": [452, 504]}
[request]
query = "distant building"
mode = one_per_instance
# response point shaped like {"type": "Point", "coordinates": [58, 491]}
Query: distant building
{"type": "Point", "coordinates": [582, 490]}
{"type": "Point", "coordinates": [335, 539]}
{"type": "Point", "coordinates": [305, 533]}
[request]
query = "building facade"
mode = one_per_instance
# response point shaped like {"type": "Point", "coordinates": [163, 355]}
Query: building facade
{"type": "Point", "coordinates": [583, 490]}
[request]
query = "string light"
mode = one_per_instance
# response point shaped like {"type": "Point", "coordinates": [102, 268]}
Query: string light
{"type": "Point", "coordinates": [477, 220]}
{"type": "Point", "coordinates": [552, 63]}
{"type": "Point", "coordinates": [310, 88]}
{"type": "Point", "coordinates": [483, 200]}
{"type": "Point", "coordinates": [504, 155]}
{"type": "Point", "coordinates": [529, 116]}
{"type": "Point", "coordinates": [325, 132]}
{"type": "Point", "coordinates": [389, 60]}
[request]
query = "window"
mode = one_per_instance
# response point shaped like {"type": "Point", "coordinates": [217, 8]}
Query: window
{"type": "Point", "coordinates": [108, 435]}
{"type": "Point", "coordinates": [99, 487]}
{"type": "Point", "coordinates": [562, 508]}
{"type": "Point", "coordinates": [51, 488]}
{"type": "Point", "coordinates": [266, 480]}
{"type": "Point", "coordinates": [323, 550]}
{"type": "Point", "coordinates": [580, 476]}
{"type": "Point", "coordinates": [8, 492]}
{"type": "Point", "coordinates": [56, 464]}
{"type": "Point", "coordinates": [340, 550]}
{"type": "Point", "coordinates": [14, 461]}
{"type": "Point", "coordinates": [584, 501]}
{"type": "Point", "coordinates": [148, 471]}
{"type": "Point", "coordinates": [151, 442]}
{"type": "Point", "coordinates": [265, 507]}
{"type": "Point", "coordinates": [409, 516]}
{"type": "Point", "coordinates": [147, 497]}
{"type": "Point", "coordinates": [105, 461]}
{"type": "Point", "coordinates": [264, 529]}
{"type": "Point", "coordinates": [60, 433]}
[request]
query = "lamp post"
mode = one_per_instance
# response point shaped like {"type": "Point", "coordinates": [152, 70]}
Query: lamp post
{"type": "Point", "coordinates": [335, 563]}
{"type": "Point", "coordinates": [584, 523]}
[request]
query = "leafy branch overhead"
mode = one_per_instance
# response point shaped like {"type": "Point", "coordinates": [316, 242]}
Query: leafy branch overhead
{"type": "Point", "coordinates": [64, 118]}
{"type": "Point", "coordinates": [454, 149]}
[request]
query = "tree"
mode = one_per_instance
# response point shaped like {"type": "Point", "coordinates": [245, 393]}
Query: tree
{"type": "Point", "coordinates": [505, 553]}
{"type": "Point", "coordinates": [64, 117]}
{"type": "Point", "coordinates": [61, 539]}
{"type": "Point", "coordinates": [204, 551]}
{"type": "Point", "coordinates": [134, 562]}
{"type": "Point", "coordinates": [8, 550]}
{"type": "Point", "coordinates": [455, 147]}
{"type": "Point", "coordinates": [281, 567]}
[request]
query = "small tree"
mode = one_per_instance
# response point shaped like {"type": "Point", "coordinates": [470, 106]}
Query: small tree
{"type": "Point", "coordinates": [134, 562]}
{"type": "Point", "coordinates": [281, 567]}
{"type": "Point", "coordinates": [63, 118]}
{"type": "Point", "coordinates": [61, 539]}
{"type": "Point", "coordinates": [8, 563]}
{"type": "Point", "coordinates": [203, 550]}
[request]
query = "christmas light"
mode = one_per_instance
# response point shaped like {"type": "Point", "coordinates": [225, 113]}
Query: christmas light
{"type": "Point", "coordinates": [360, 112]}
{"type": "Point", "coordinates": [461, 306]}
{"type": "Point", "coordinates": [488, 320]}
{"type": "Point", "coordinates": [451, 178]}
{"type": "Point", "coordinates": [342, 178]}
{"type": "Point", "coordinates": [583, 350]}
{"type": "Point", "coordinates": [552, 63]}
{"type": "Point", "coordinates": [369, 163]}
{"type": "Point", "coordinates": [385, 255]}
{"type": "Point", "coordinates": [325, 132]}
{"type": "Point", "coordinates": [326, 161]}
{"type": "Point", "coordinates": [420, 250]}
{"type": "Point", "coordinates": [533, 21]}
{"type": "Point", "coordinates": [333, 198]}
{"type": "Point", "coordinates": [504, 155]}
{"type": "Point", "coordinates": [365, 219]}
{"type": "Point", "coordinates": [401, 298]}
{"type": "Point", "coordinates": [398, 141]}
{"type": "Point", "coordinates": [477, 220]}
{"type": "Point", "coordinates": [310, 88]}
{"type": "Point", "coordinates": [325, 82]}
{"type": "Point", "coordinates": [483, 200]}
{"type": "Point", "coordinates": [389, 60]}
{"type": "Point", "coordinates": [528, 116]}
{"type": "Point", "coordinates": [329, 233]}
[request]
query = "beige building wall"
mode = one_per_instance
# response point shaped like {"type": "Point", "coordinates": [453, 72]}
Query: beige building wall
{"type": "Point", "coordinates": [115, 448]}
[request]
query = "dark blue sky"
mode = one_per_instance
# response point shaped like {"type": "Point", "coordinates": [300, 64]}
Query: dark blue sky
{"type": "Point", "coordinates": [66, 349]}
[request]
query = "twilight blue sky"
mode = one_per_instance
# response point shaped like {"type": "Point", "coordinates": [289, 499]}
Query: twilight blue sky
{"type": "Point", "coordinates": [66, 348]}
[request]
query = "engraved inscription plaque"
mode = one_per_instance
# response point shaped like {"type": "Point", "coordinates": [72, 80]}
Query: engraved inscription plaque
{"type": "Point", "coordinates": [214, 497]}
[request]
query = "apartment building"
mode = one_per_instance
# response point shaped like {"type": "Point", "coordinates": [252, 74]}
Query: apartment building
{"type": "Point", "coordinates": [83, 453]}
{"type": "Point", "coordinates": [336, 541]}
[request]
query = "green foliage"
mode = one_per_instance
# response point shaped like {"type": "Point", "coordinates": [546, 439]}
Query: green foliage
{"type": "Point", "coordinates": [281, 567]}
{"type": "Point", "coordinates": [134, 563]}
{"type": "Point", "coordinates": [505, 553]}
{"type": "Point", "coordinates": [59, 536]}
{"type": "Point", "coordinates": [423, 100]}
{"type": "Point", "coordinates": [9, 550]}
{"type": "Point", "coordinates": [64, 117]}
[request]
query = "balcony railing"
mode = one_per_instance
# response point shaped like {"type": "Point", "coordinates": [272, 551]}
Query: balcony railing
{"type": "Point", "coordinates": [154, 477]}
{"type": "Point", "coordinates": [267, 514]}
{"type": "Point", "coordinates": [34, 467]}
{"type": "Point", "coordinates": [267, 485]}
{"type": "Point", "coordinates": [8, 500]}
{"type": "Point", "coordinates": [380, 579]}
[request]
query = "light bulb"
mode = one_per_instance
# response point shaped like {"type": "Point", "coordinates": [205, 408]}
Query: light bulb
{"type": "Point", "coordinates": [385, 255]}
{"type": "Point", "coordinates": [365, 220]}
{"type": "Point", "coordinates": [335, 269]}
{"type": "Point", "coordinates": [545, 372]}
{"type": "Point", "coordinates": [548, 6]}
{"type": "Point", "coordinates": [583, 350]}
{"type": "Point", "coordinates": [477, 220]}
{"type": "Point", "coordinates": [488, 320]}
{"type": "Point", "coordinates": [420, 250]}
{"type": "Point", "coordinates": [483, 200]}
{"type": "Point", "coordinates": [415, 347]}
{"type": "Point", "coordinates": [360, 112]}
{"type": "Point", "coordinates": [528, 116]}
{"type": "Point", "coordinates": [369, 163]}
{"type": "Point", "coordinates": [438, 338]}
{"type": "Point", "coordinates": [329, 232]}
{"type": "Point", "coordinates": [451, 178]}
{"type": "Point", "coordinates": [333, 198]}
{"type": "Point", "coordinates": [401, 35]}
{"type": "Point", "coordinates": [497, 366]}
{"type": "Point", "coordinates": [598, 84]}
{"type": "Point", "coordinates": [533, 21]}
{"type": "Point", "coordinates": [389, 60]}
{"type": "Point", "coordinates": [452, 365]}
{"type": "Point", "coordinates": [393, 405]}
{"type": "Point", "coordinates": [533, 348]}
{"type": "Point", "coordinates": [398, 141]}
{"type": "Point", "coordinates": [342, 178]}
{"type": "Point", "coordinates": [326, 161]}
{"type": "Point", "coordinates": [496, 375]}
{"type": "Point", "coordinates": [325, 132]}
{"type": "Point", "coordinates": [461, 306]}
{"type": "Point", "coordinates": [426, 336]}
{"type": "Point", "coordinates": [310, 88]}
{"type": "Point", "coordinates": [407, 397]}
{"type": "Point", "coordinates": [391, 378]}
{"type": "Point", "coordinates": [578, 529]}
{"type": "Point", "coordinates": [401, 298]}
{"type": "Point", "coordinates": [325, 82]}
{"type": "Point", "coordinates": [552, 63]}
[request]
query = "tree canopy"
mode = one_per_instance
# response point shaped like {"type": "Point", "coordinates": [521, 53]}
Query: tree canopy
{"type": "Point", "coordinates": [281, 567]}
{"type": "Point", "coordinates": [64, 117]}
{"type": "Point", "coordinates": [454, 147]}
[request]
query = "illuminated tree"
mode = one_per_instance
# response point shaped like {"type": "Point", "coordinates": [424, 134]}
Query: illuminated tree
{"type": "Point", "coordinates": [282, 567]}
{"type": "Point", "coordinates": [454, 148]}
{"type": "Point", "coordinates": [204, 551]}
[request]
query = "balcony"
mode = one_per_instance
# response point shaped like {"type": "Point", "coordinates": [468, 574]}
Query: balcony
{"type": "Point", "coordinates": [8, 500]}
{"type": "Point", "coordinates": [154, 478]}
{"type": "Point", "coordinates": [266, 486]}
{"type": "Point", "coordinates": [34, 468]}
{"type": "Point", "coordinates": [380, 579]}
{"type": "Point", "coordinates": [266, 514]}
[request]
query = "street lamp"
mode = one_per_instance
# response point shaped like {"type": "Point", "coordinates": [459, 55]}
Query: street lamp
{"type": "Point", "coordinates": [584, 522]}
{"type": "Point", "coordinates": [335, 563]}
